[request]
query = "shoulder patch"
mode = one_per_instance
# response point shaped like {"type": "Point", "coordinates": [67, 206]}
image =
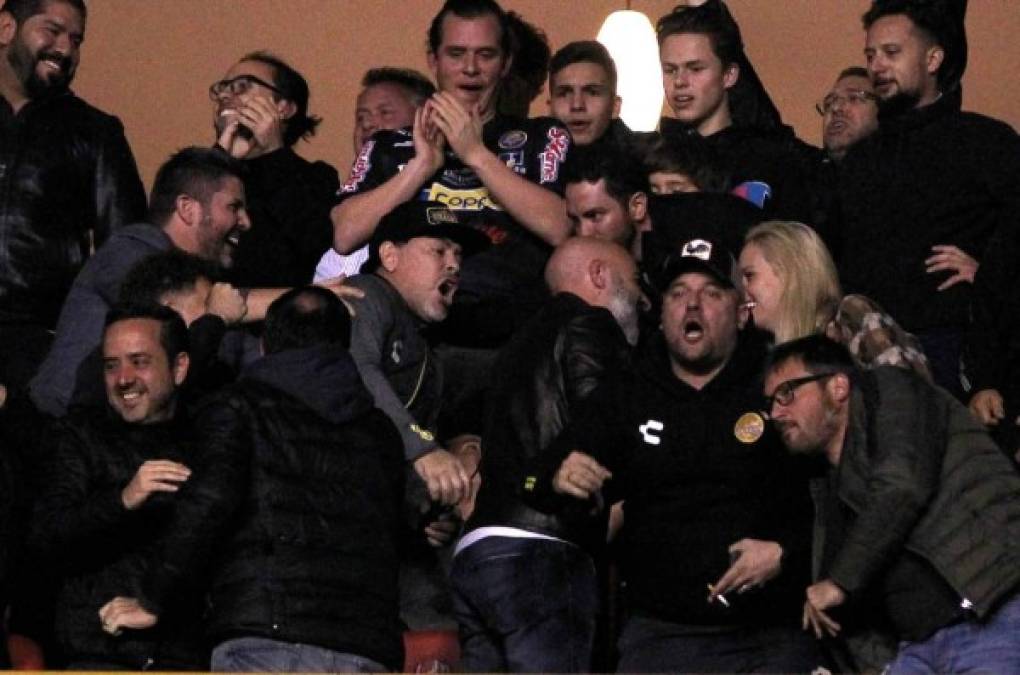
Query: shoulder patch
{"type": "Point", "coordinates": [511, 140]}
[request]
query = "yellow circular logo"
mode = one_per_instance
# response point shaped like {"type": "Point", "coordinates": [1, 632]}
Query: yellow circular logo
{"type": "Point", "coordinates": [749, 427]}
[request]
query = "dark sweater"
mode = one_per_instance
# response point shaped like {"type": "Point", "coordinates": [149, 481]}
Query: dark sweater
{"type": "Point", "coordinates": [933, 175]}
{"type": "Point", "coordinates": [692, 488]}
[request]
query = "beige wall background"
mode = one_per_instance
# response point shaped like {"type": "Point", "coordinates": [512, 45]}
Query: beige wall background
{"type": "Point", "coordinates": [150, 62]}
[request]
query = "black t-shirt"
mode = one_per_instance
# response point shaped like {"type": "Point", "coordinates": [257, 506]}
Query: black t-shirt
{"type": "Point", "coordinates": [503, 285]}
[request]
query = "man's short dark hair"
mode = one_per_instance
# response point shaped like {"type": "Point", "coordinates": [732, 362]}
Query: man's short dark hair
{"type": "Point", "coordinates": [691, 156]}
{"type": "Point", "coordinates": [173, 334]}
{"type": "Point", "coordinates": [818, 353]}
{"type": "Point", "coordinates": [22, 10]}
{"type": "Point", "coordinates": [712, 20]}
{"type": "Point", "coordinates": [941, 22]}
{"type": "Point", "coordinates": [473, 9]}
{"type": "Point", "coordinates": [161, 273]}
{"type": "Point", "coordinates": [528, 70]}
{"type": "Point", "coordinates": [584, 51]}
{"type": "Point", "coordinates": [294, 88]}
{"type": "Point", "coordinates": [417, 85]}
{"type": "Point", "coordinates": [194, 171]}
{"type": "Point", "coordinates": [605, 161]}
{"type": "Point", "coordinates": [306, 317]}
{"type": "Point", "coordinates": [853, 71]}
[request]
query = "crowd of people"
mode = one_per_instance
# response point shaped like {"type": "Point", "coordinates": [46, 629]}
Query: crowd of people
{"type": "Point", "coordinates": [705, 399]}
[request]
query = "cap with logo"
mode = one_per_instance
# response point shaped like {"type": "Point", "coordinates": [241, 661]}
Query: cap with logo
{"type": "Point", "coordinates": [700, 254]}
{"type": "Point", "coordinates": [422, 219]}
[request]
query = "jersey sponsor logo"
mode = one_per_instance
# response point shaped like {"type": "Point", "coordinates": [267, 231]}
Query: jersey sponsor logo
{"type": "Point", "coordinates": [754, 191]}
{"type": "Point", "coordinates": [460, 200]}
{"type": "Point", "coordinates": [360, 169]}
{"type": "Point", "coordinates": [461, 178]}
{"type": "Point", "coordinates": [648, 427]}
{"type": "Point", "coordinates": [749, 427]}
{"type": "Point", "coordinates": [514, 161]}
{"type": "Point", "coordinates": [511, 140]}
{"type": "Point", "coordinates": [552, 156]}
{"type": "Point", "coordinates": [697, 248]}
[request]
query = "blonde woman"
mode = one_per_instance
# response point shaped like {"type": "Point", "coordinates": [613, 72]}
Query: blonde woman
{"type": "Point", "coordinates": [793, 290]}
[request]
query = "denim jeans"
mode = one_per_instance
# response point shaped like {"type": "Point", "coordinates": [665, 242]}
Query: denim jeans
{"type": "Point", "coordinates": [649, 645]}
{"type": "Point", "coordinates": [262, 655]}
{"type": "Point", "coordinates": [967, 647]}
{"type": "Point", "coordinates": [524, 605]}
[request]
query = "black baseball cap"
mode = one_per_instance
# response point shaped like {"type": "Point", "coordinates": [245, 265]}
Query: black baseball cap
{"type": "Point", "coordinates": [423, 219]}
{"type": "Point", "coordinates": [700, 254]}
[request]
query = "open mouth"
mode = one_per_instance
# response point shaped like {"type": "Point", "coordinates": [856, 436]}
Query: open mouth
{"type": "Point", "coordinates": [681, 101]}
{"type": "Point", "coordinates": [579, 125]}
{"type": "Point", "coordinates": [447, 288]}
{"type": "Point", "coordinates": [234, 238]}
{"type": "Point", "coordinates": [693, 330]}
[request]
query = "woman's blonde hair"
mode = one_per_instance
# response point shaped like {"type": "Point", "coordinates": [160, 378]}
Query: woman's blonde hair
{"type": "Point", "coordinates": [799, 258]}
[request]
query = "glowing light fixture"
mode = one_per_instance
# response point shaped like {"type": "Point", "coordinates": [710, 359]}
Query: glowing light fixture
{"type": "Point", "coordinates": [630, 39]}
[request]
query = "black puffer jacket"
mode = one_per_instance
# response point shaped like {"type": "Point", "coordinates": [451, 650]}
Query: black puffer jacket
{"type": "Point", "coordinates": [294, 501]}
{"type": "Point", "coordinates": [65, 169]}
{"type": "Point", "coordinates": [540, 378]}
{"type": "Point", "coordinates": [99, 546]}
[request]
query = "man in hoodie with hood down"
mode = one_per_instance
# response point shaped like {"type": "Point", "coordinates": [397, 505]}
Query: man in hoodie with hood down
{"type": "Point", "coordinates": [291, 510]}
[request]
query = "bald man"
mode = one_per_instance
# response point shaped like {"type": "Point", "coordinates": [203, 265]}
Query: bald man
{"type": "Point", "coordinates": [509, 569]}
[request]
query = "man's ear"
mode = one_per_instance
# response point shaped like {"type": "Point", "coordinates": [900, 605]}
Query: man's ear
{"type": "Point", "coordinates": [389, 256]}
{"type": "Point", "coordinates": [188, 209]}
{"type": "Point", "coordinates": [180, 369]}
{"type": "Point", "coordinates": [617, 103]}
{"type": "Point", "coordinates": [433, 63]}
{"type": "Point", "coordinates": [598, 273]}
{"type": "Point", "coordinates": [731, 75]}
{"type": "Point", "coordinates": [839, 387]}
{"type": "Point", "coordinates": [8, 28]}
{"type": "Point", "coordinates": [933, 59]}
{"type": "Point", "coordinates": [637, 206]}
{"type": "Point", "coordinates": [286, 109]}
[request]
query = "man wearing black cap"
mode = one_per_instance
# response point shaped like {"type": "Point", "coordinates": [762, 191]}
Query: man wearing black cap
{"type": "Point", "coordinates": [714, 542]}
{"type": "Point", "coordinates": [410, 278]}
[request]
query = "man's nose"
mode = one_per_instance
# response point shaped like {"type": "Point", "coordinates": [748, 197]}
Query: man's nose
{"type": "Point", "coordinates": [577, 102]}
{"type": "Point", "coordinates": [243, 220]}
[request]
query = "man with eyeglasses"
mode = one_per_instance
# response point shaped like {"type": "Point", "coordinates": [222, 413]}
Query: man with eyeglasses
{"type": "Point", "coordinates": [260, 113]}
{"type": "Point", "coordinates": [923, 514]}
{"type": "Point", "coordinates": [714, 546]}
{"type": "Point", "coordinates": [849, 112]}
{"type": "Point", "coordinates": [933, 192]}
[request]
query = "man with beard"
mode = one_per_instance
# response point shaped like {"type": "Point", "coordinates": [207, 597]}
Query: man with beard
{"type": "Point", "coordinates": [197, 205]}
{"type": "Point", "coordinates": [109, 489]}
{"type": "Point", "coordinates": [933, 188]}
{"type": "Point", "coordinates": [260, 113]}
{"type": "Point", "coordinates": [923, 514]}
{"type": "Point", "coordinates": [716, 520]}
{"type": "Point", "coordinates": [524, 581]}
{"type": "Point", "coordinates": [67, 176]}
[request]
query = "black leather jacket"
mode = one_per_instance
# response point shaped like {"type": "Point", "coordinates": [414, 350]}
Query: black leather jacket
{"type": "Point", "coordinates": [65, 169]}
{"type": "Point", "coordinates": [540, 377]}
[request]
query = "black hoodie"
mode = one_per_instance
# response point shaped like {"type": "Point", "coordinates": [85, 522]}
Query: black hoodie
{"type": "Point", "coordinates": [294, 504]}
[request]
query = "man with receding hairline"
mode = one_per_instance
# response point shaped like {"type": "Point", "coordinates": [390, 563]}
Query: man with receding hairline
{"type": "Point", "coordinates": [523, 574]}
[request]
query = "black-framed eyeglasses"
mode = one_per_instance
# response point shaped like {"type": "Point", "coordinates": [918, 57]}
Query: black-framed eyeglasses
{"type": "Point", "coordinates": [851, 97]}
{"type": "Point", "coordinates": [239, 85]}
{"type": "Point", "coordinates": [784, 393]}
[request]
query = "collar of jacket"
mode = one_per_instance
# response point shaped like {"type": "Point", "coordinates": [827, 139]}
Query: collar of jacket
{"type": "Point", "coordinates": [323, 377]}
{"type": "Point", "coordinates": [949, 103]}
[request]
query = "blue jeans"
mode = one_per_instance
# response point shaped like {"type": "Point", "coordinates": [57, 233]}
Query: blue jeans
{"type": "Point", "coordinates": [262, 655]}
{"type": "Point", "coordinates": [650, 645]}
{"type": "Point", "coordinates": [967, 647]}
{"type": "Point", "coordinates": [524, 605]}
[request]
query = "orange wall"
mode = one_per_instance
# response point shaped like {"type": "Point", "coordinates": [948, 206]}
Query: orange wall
{"type": "Point", "coordinates": [151, 61]}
